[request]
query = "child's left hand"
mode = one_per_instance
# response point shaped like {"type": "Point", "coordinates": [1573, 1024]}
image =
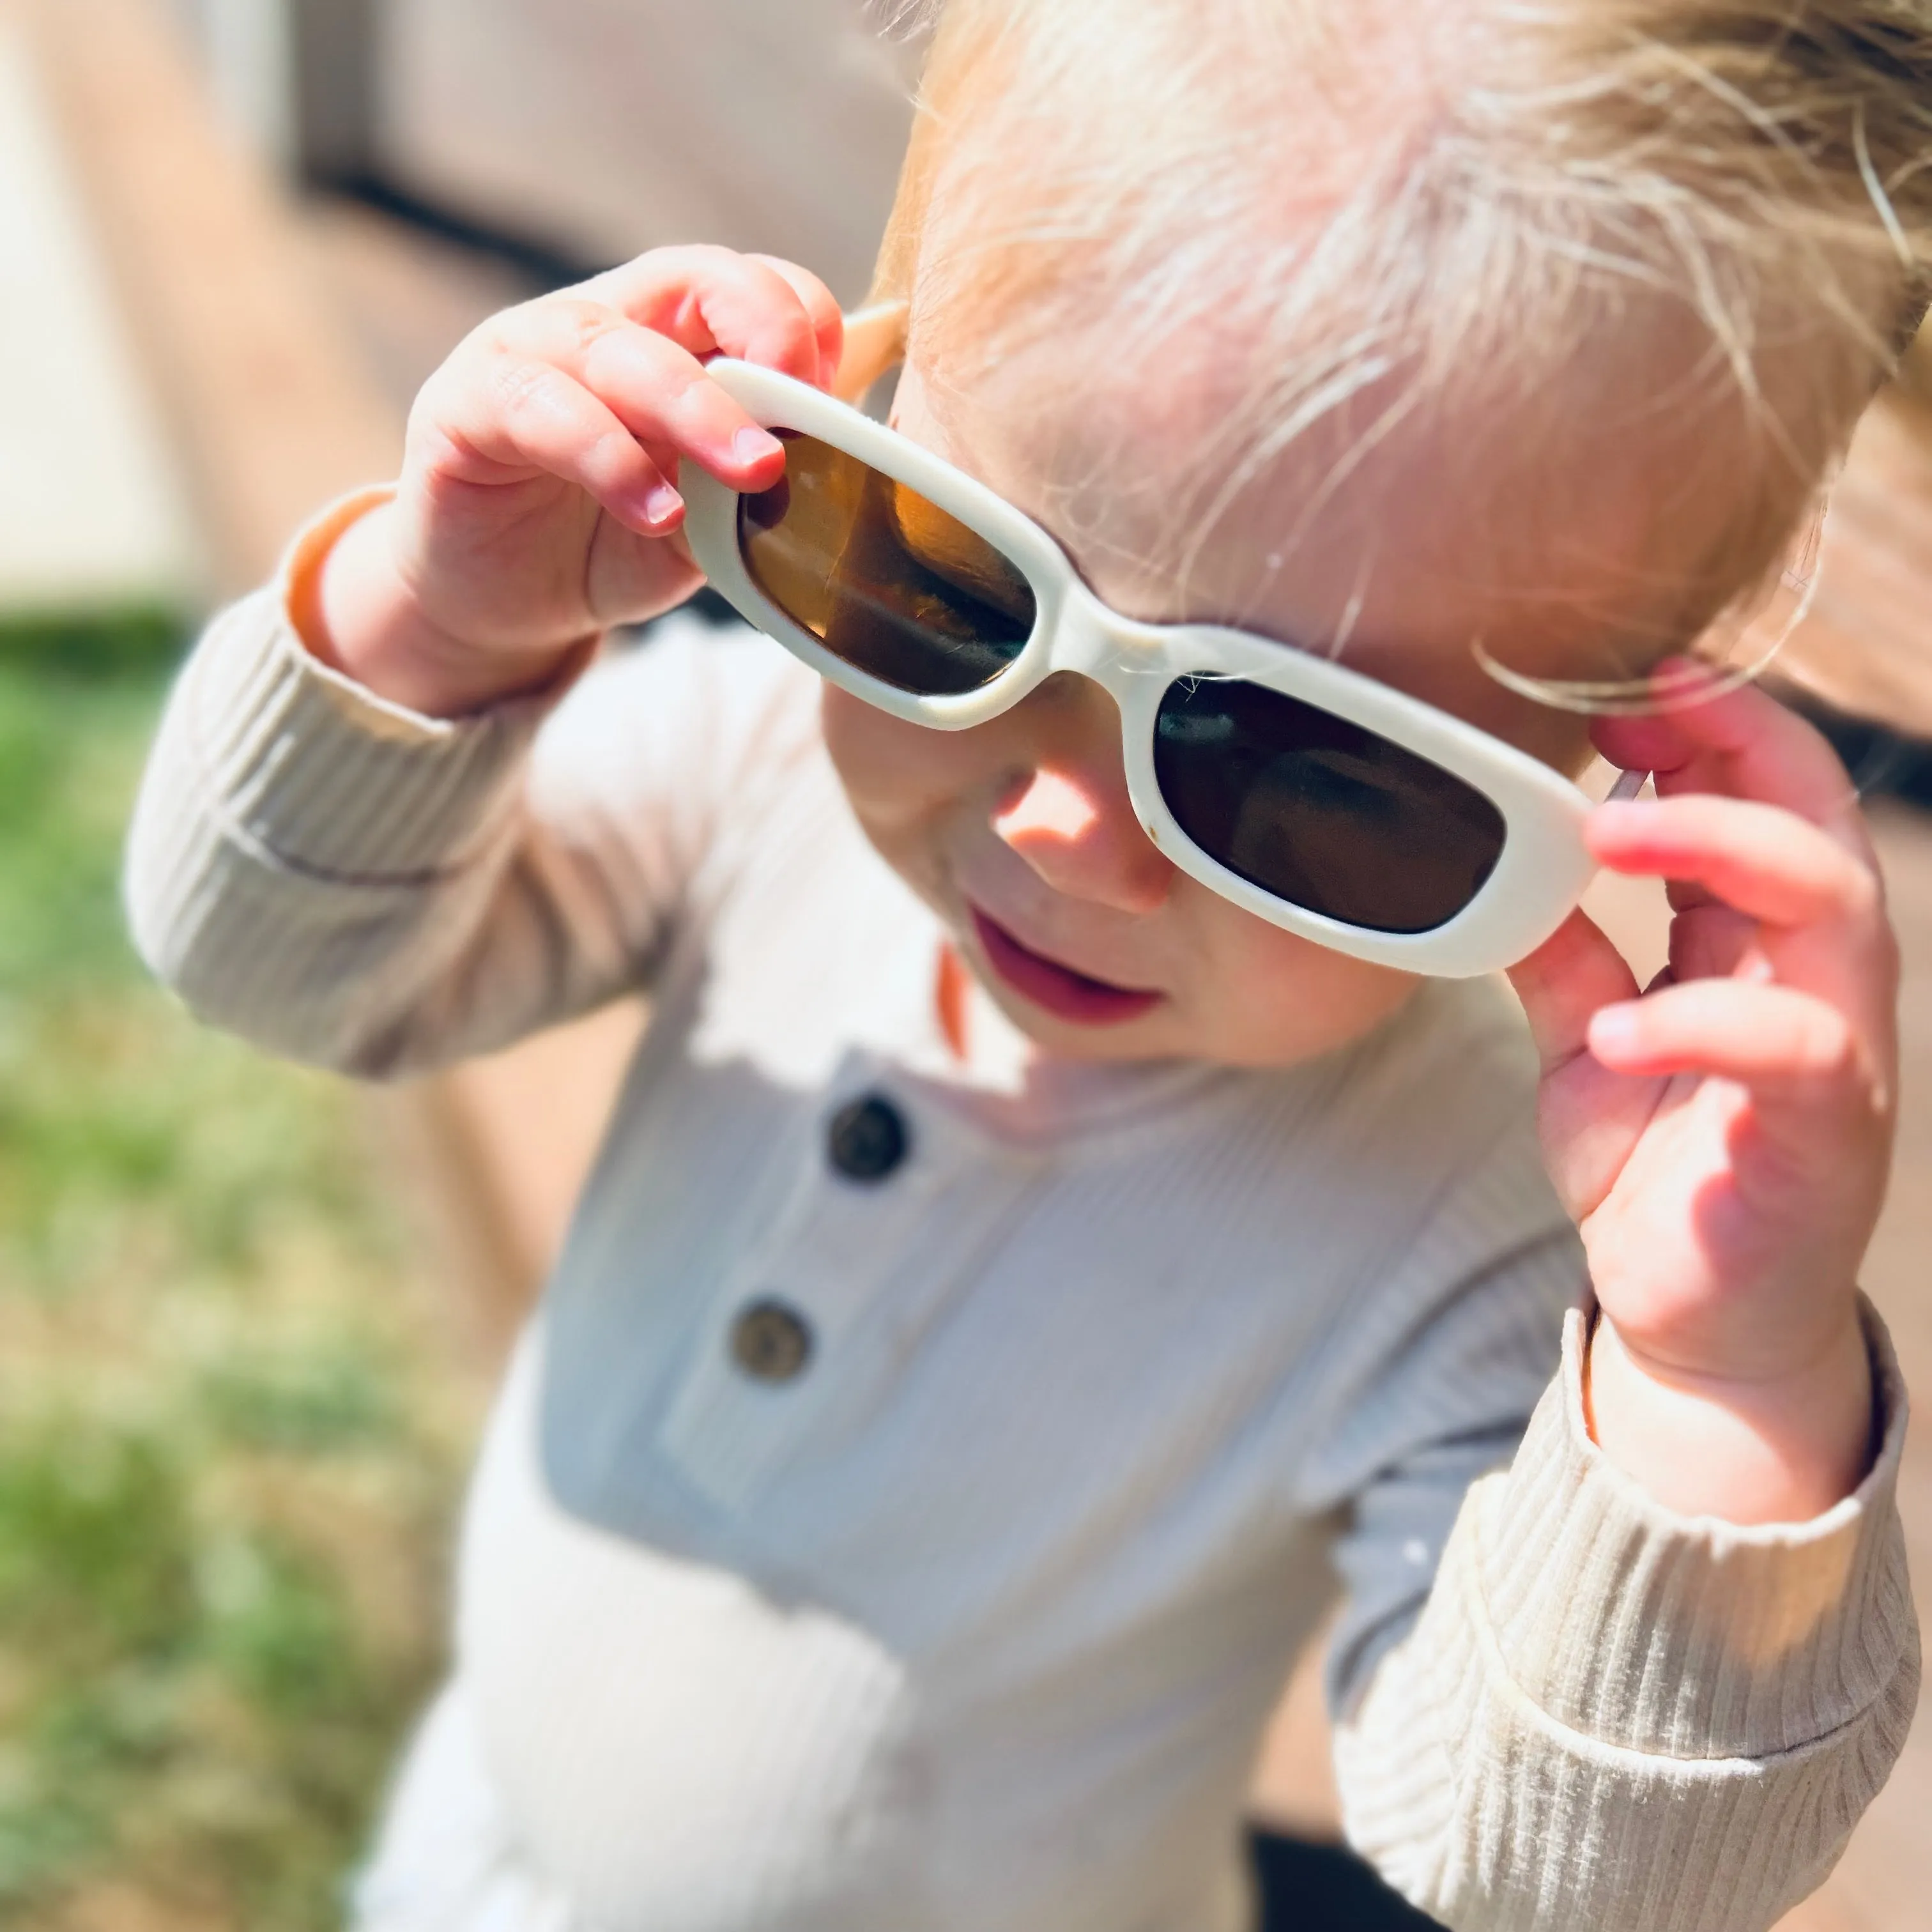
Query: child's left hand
{"type": "Point", "coordinates": [1723, 1139]}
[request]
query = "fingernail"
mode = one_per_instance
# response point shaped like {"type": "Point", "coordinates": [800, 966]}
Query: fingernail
{"type": "Point", "coordinates": [755, 445]}
{"type": "Point", "coordinates": [662, 504]}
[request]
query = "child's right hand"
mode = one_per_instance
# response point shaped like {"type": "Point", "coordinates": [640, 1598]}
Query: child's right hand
{"type": "Point", "coordinates": [537, 505]}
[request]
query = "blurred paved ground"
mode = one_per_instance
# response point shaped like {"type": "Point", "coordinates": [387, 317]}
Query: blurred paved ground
{"type": "Point", "coordinates": [1885, 1882]}
{"type": "Point", "coordinates": [612, 126]}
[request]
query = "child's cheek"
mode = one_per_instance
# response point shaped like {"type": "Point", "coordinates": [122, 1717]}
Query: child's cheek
{"type": "Point", "coordinates": [905, 781]}
{"type": "Point", "coordinates": [876, 756]}
{"type": "Point", "coordinates": [1278, 999]}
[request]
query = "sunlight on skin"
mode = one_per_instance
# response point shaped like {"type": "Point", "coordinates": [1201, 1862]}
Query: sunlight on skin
{"type": "Point", "coordinates": [1027, 818]}
{"type": "Point", "coordinates": [1052, 807]}
{"type": "Point", "coordinates": [1442, 532]}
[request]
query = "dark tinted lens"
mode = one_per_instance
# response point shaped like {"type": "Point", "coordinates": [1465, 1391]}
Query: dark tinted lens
{"type": "Point", "coordinates": [879, 575]}
{"type": "Point", "coordinates": [1320, 812]}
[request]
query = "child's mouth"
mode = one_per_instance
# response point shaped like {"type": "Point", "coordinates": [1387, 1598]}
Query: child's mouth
{"type": "Point", "coordinates": [1057, 989]}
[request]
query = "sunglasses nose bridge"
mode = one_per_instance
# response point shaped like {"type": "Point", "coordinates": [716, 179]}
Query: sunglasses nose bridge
{"type": "Point", "coordinates": [1099, 643]}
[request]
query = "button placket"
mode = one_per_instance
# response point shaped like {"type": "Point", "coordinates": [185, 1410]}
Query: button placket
{"type": "Point", "coordinates": [772, 1358]}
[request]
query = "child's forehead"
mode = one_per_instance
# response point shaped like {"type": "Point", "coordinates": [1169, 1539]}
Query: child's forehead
{"type": "Point", "coordinates": [1397, 538]}
{"type": "Point", "coordinates": [1174, 285]}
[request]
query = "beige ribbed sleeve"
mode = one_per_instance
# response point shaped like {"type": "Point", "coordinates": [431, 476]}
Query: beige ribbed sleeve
{"type": "Point", "coordinates": [1610, 1717]}
{"type": "Point", "coordinates": [347, 883]}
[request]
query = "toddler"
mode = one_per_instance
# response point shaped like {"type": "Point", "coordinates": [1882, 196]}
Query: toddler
{"type": "Point", "coordinates": [1078, 1210]}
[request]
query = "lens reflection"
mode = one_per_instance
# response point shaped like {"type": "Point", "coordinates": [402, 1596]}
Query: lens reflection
{"type": "Point", "coordinates": [1319, 811]}
{"type": "Point", "coordinates": [882, 576]}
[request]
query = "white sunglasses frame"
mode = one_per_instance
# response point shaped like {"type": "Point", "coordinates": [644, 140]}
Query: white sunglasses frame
{"type": "Point", "coordinates": [1544, 866]}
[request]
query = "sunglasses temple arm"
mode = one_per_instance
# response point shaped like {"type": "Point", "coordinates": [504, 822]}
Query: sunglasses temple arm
{"type": "Point", "coordinates": [875, 339]}
{"type": "Point", "coordinates": [1627, 788]}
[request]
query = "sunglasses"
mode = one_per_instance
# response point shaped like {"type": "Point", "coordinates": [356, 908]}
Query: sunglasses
{"type": "Point", "coordinates": [1315, 797]}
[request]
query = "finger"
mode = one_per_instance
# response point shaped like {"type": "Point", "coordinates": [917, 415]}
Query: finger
{"type": "Point", "coordinates": [714, 301]}
{"type": "Point", "coordinates": [1761, 859]}
{"type": "Point", "coordinates": [1564, 981]}
{"type": "Point", "coordinates": [657, 389]}
{"type": "Point", "coordinates": [1776, 1040]}
{"type": "Point", "coordinates": [1589, 1117]}
{"type": "Point", "coordinates": [828, 319]}
{"type": "Point", "coordinates": [534, 419]}
{"type": "Point", "coordinates": [1742, 742]}
{"type": "Point", "coordinates": [1712, 942]}
{"type": "Point", "coordinates": [1773, 754]}
{"type": "Point", "coordinates": [663, 395]}
{"type": "Point", "coordinates": [1685, 895]}
{"type": "Point", "coordinates": [1647, 741]}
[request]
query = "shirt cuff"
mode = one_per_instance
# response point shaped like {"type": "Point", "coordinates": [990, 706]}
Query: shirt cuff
{"type": "Point", "coordinates": [1688, 1637]}
{"type": "Point", "coordinates": [322, 776]}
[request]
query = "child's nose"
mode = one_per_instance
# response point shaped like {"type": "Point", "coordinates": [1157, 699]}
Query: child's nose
{"type": "Point", "coordinates": [1070, 817]}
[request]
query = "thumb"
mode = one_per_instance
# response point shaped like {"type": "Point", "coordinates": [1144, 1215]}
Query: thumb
{"type": "Point", "coordinates": [1590, 1118]}
{"type": "Point", "coordinates": [1575, 971]}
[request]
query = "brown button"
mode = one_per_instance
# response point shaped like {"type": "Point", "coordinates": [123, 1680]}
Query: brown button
{"type": "Point", "coordinates": [771, 1341]}
{"type": "Point", "coordinates": [867, 1139]}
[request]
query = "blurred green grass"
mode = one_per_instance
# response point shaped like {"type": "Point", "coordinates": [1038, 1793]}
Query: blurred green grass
{"type": "Point", "coordinates": [229, 1436]}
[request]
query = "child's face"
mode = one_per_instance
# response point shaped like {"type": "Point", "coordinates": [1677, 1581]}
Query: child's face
{"type": "Point", "coordinates": [1019, 832]}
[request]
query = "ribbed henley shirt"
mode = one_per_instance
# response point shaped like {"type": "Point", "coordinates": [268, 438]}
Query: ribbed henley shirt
{"type": "Point", "coordinates": [916, 1538]}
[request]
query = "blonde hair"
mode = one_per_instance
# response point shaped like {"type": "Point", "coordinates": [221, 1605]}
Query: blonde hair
{"type": "Point", "coordinates": [1517, 186]}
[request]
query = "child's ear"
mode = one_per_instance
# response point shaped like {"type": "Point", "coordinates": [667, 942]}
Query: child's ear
{"type": "Point", "coordinates": [875, 339]}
